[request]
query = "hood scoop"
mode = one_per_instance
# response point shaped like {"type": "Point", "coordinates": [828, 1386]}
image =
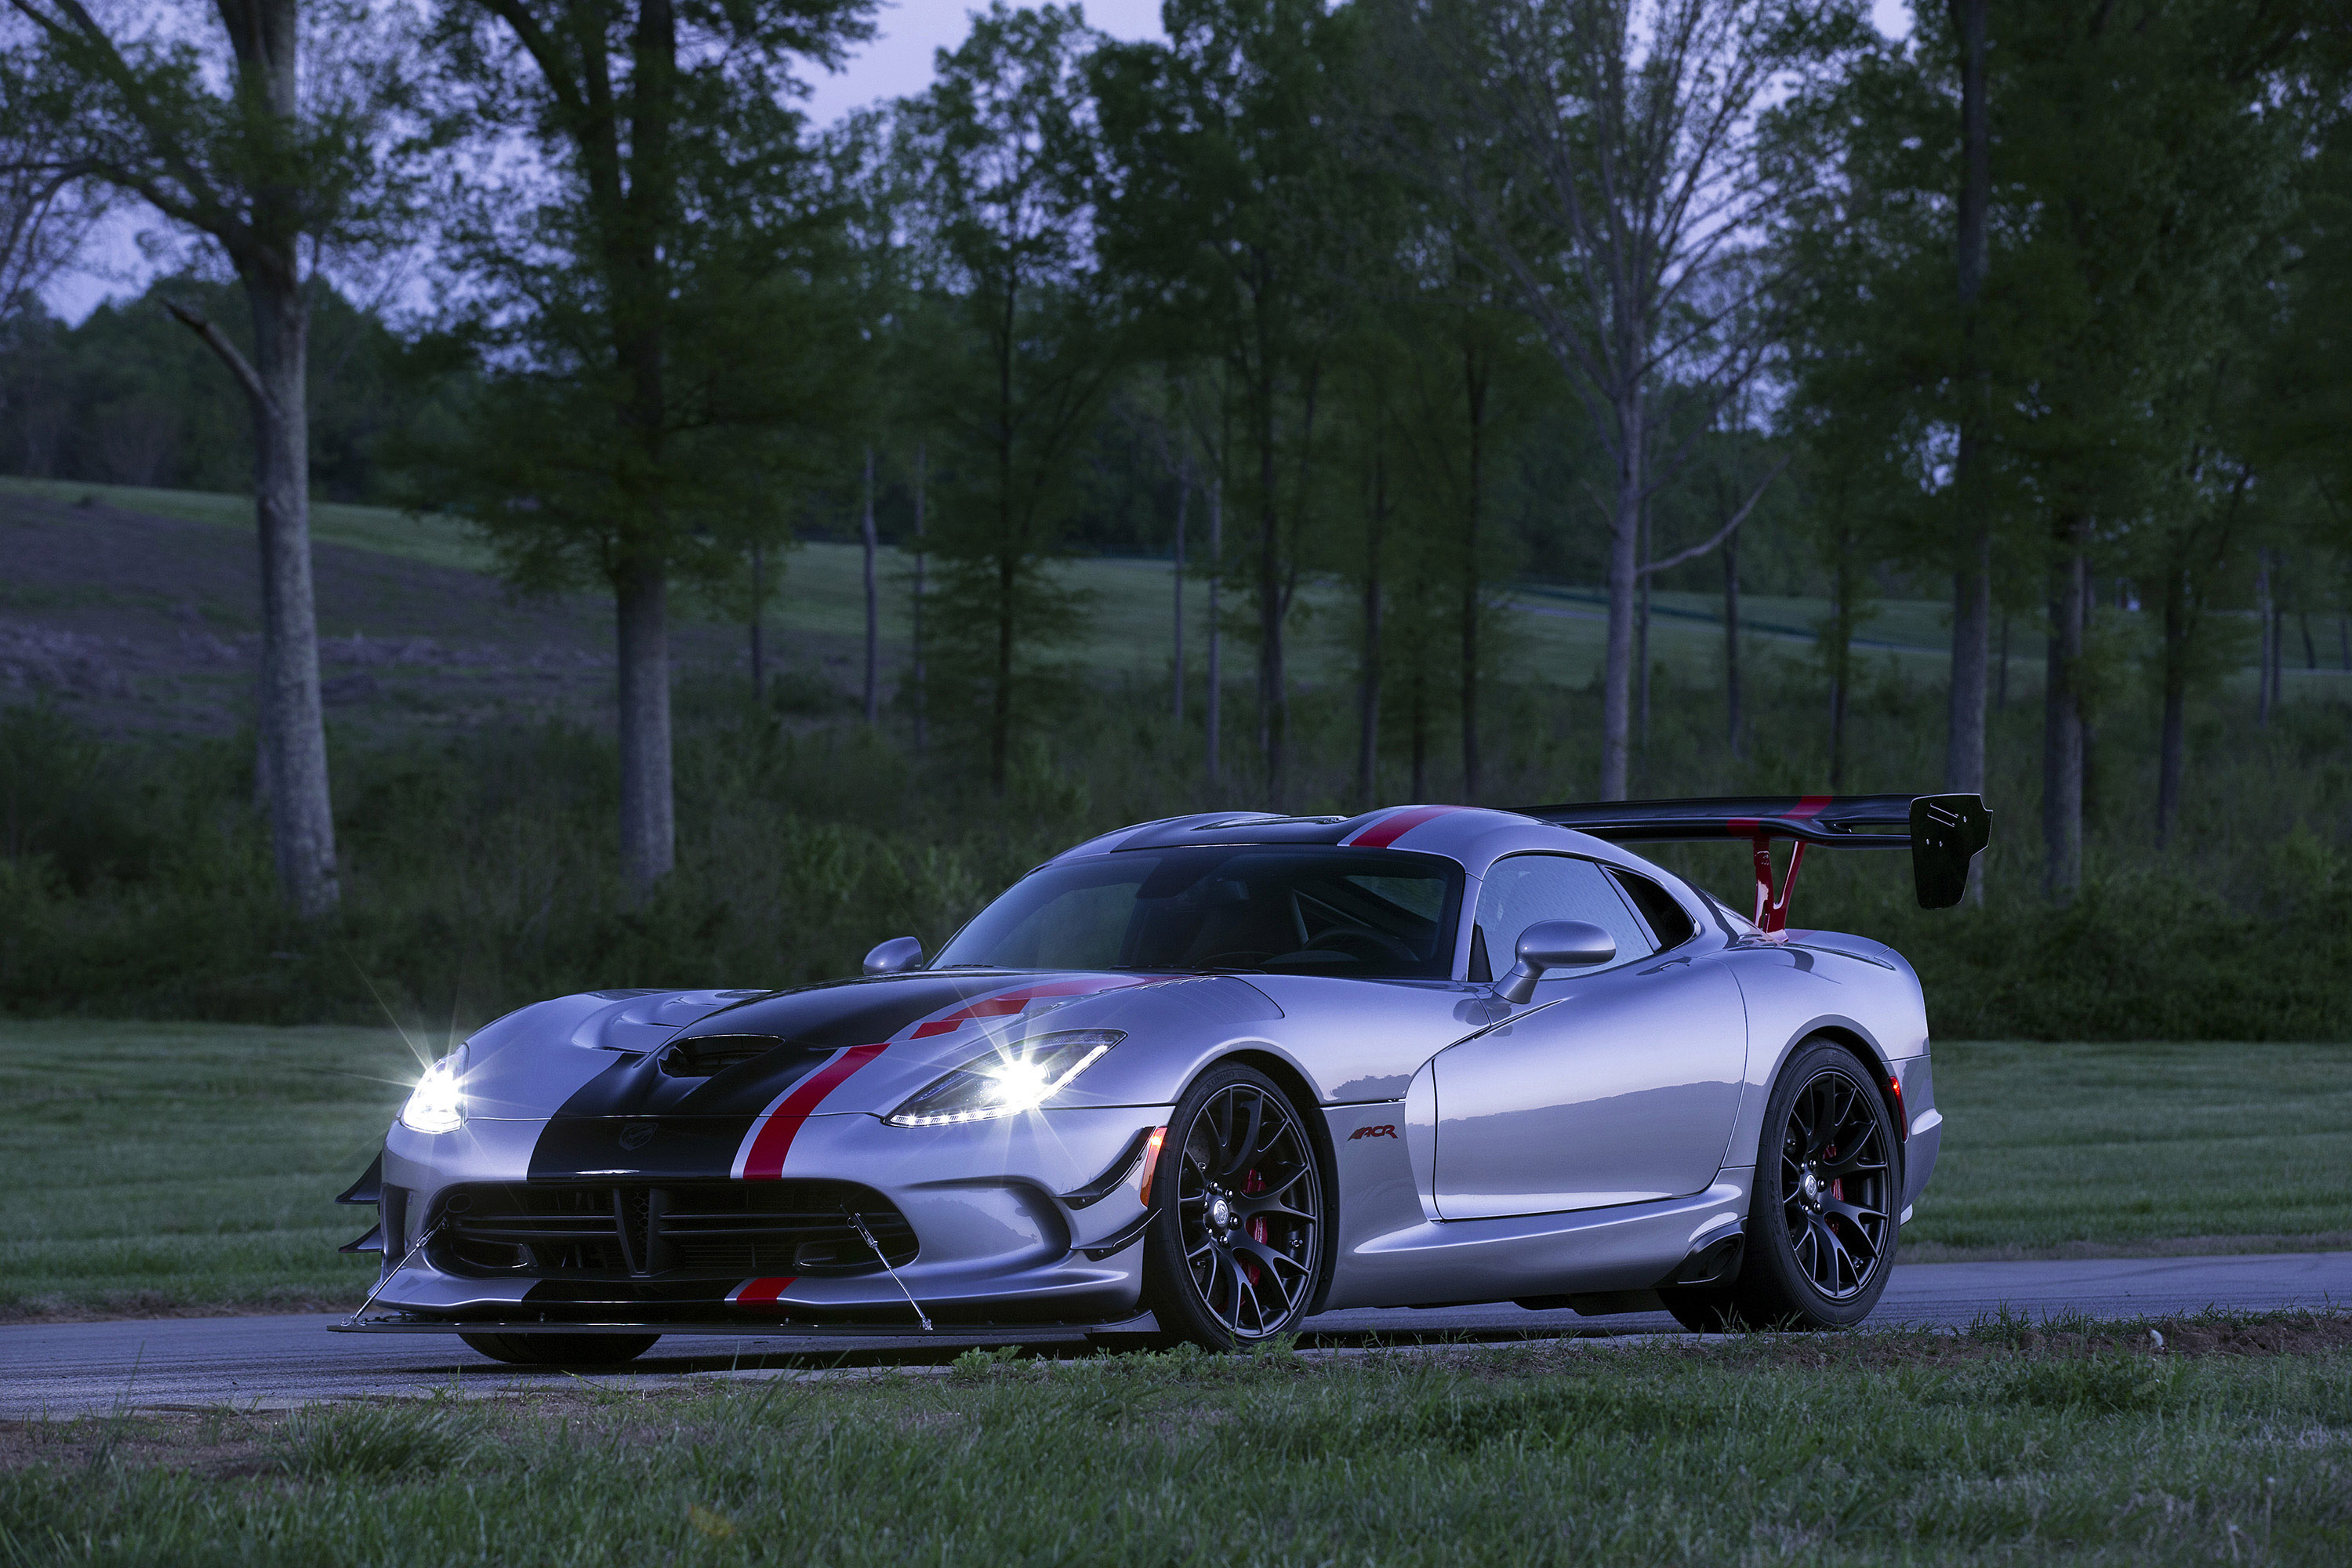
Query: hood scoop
{"type": "Point", "coordinates": [707, 1056]}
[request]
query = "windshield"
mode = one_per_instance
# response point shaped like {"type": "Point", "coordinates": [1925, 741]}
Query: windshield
{"type": "Point", "coordinates": [1362, 913]}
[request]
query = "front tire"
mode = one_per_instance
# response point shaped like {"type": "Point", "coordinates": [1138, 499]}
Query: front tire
{"type": "Point", "coordinates": [1235, 1252]}
{"type": "Point", "coordinates": [562, 1349]}
{"type": "Point", "coordinates": [1822, 1227]}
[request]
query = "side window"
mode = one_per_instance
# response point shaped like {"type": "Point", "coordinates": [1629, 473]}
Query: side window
{"type": "Point", "coordinates": [1669, 921]}
{"type": "Point", "coordinates": [1521, 889]}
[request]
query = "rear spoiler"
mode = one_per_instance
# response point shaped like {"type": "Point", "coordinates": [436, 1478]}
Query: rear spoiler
{"type": "Point", "coordinates": [1943, 832]}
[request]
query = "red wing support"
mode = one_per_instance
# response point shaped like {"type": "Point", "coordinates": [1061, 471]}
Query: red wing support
{"type": "Point", "coordinates": [1944, 832]}
{"type": "Point", "coordinates": [1771, 907]}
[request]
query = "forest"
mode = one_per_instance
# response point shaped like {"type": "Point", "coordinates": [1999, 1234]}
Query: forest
{"type": "Point", "coordinates": [1371, 319]}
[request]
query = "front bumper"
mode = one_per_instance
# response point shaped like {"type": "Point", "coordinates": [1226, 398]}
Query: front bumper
{"type": "Point", "coordinates": [1011, 1218]}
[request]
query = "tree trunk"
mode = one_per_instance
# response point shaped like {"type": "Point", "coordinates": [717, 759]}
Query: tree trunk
{"type": "Point", "coordinates": [2344, 639]}
{"type": "Point", "coordinates": [1964, 750]}
{"type": "Point", "coordinates": [865, 537]}
{"type": "Point", "coordinates": [2267, 632]}
{"type": "Point", "coordinates": [1367, 695]}
{"type": "Point", "coordinates": [1624, 564]}
{"type": "Point", "coordinates": [2172, 749]}
{"type": "Point", "coordinates": [1641, 647]}
{"type": "Point", "coordinates": [1418, 691]}
{"type": "Point", "coordinates": [649, 817]}
{"type": "Point", "coordinates": [2061, 737]}
{"type": "Point", "coordinates": [1214, 715]}
{"type": "Point", "coordinates": [2000, 680]}
{"type": "Point", "coordinates": [1473, 387]}
{"type": "Point", "coordinates": [1176, 623]}
{"type": "Point", "coordinates": [922, 728]}
{"type": "Point", "coordinates": [1731, 641]}
{"type": "Point", "coordinates": [1272, 719]}
{"type": "Point", "coordinates": [759, 613]}
{"type": "Point", "coordinates": [293, 722]}
{"type": "Point", "coordinates": [2310, 649]}
{"type": "Point", "coordinates": [1840, 653]}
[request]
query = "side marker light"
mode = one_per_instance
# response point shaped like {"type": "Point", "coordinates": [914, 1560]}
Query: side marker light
{"type": "Point", "coordinates": [1151, 1162]}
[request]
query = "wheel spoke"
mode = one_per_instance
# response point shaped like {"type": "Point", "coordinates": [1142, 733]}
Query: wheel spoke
{"type": "Point", "coordinates": [1240, 1150]}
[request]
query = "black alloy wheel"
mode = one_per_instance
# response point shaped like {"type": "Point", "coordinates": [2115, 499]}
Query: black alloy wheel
{"type": "Point", "coordinates": [562, 1349]}
{"type": "Point", "coordinates": [1236, 1251]}
{"type": "Point", "coordinates": [1821, 1222]}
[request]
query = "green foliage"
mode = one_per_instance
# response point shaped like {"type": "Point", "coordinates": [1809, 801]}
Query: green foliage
{"type": "Point", "coordinates": [128, 396]}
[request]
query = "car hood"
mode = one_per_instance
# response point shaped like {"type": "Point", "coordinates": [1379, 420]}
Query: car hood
{"type": "Point", "coordinates": [734, 1054]}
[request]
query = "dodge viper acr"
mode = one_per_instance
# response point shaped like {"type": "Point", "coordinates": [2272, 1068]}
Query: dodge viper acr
{"type": "Point", "coordinates": [1227, 1070]}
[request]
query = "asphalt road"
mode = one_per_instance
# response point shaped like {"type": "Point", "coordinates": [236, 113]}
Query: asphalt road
{"type": "Point", "coordinates": [65, 1369]}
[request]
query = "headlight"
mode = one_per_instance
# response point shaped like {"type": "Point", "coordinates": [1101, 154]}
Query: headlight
{"type": "Point", "coordinates": [1008, 1079]}
{"type": "Point", "coordinates": [436, 1105]}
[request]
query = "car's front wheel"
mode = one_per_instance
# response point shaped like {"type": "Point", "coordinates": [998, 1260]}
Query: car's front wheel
{"type": "Point", "coordinates": [1235, 1252]}
{"type": "Point", "coordinates": [1822, 1220]}
{"type": "Point", "coordinates": [562, 1349]}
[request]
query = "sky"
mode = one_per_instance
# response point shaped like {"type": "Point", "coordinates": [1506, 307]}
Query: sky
{"type": "Point", "coordinates": [897, 63]}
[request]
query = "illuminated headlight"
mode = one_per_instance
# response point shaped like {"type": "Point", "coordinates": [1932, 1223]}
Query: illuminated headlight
{"type": "Point", "coordinates": [1008, 1079]}
{"type": "Point", "coordinates": [438, 1105]}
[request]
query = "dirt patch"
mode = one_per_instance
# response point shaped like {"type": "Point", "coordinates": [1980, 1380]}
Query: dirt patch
{"type": "Point", "coordinates": [132, 623]}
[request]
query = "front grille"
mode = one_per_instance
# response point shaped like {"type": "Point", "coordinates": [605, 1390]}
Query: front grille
{"type": "Point", "coordinates": [674, 1231]}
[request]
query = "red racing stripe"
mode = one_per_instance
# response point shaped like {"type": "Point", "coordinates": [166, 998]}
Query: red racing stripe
{"type": "Point", "coordinates": [765, 1160]}
{"type": "Point", "coordinates": [1004, 1004]}
{"type": "Point", "coordinates": [1395, 825]}
{"type": "Point", "coordinates": [761, 1292]}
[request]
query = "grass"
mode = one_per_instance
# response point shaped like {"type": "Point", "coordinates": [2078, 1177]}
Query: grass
{"type": "Point", "coordinates": [2232, 1440]}
{"type": "Point", "coordinates": [152, 1168]}
{"type": "Point", "coordinates": [155, 1168]}
{"type": "Point", "coordinates": [1552, 635]}
{"type": "Point", "coordinates": [1547, 632]}
{"type": "Point", "coordinates": [2078, 1147]}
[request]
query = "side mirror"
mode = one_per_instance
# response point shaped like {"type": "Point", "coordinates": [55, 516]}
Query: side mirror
{"type": "Point", "coordinates": [895, 956]}
{"type": "Point", "coordinates": [1550, 944]}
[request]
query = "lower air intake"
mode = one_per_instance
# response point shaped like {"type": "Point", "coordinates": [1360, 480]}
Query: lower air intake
{"type": "Point", "coordinates": [677, 1231]}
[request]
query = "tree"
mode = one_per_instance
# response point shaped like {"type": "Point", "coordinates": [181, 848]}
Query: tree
{"type": "Point", "coordinates": [1002, 158]}
{"type": "Point", "coordinates": [231, 144]}
{"type": "Point", "coordinates": [1221, 170]}
{"type": "Point", "coordinates": [2146, 163]}
{"type": "Point", "coordinates": [1615, 161]}
{"type": "Point", "coordinates": [651, 298]}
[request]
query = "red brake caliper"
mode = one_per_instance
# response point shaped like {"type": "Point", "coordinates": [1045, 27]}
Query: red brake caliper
{"type": "Point", "coordinates": [1252, 1185]}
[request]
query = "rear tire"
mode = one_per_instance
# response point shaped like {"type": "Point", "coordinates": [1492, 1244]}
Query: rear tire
{"type": "Point", "coordinates": [562, 1349]}
{"type": "Point", "coordinates": [1235, 1253]}
{"type": "Point", "coordinates": [1822, 1227]}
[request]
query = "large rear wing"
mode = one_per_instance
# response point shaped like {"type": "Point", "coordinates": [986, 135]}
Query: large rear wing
{"type": "Point", "coordinates": [1943, 832]}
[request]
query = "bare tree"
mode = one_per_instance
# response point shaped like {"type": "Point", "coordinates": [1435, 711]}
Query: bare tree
{"type": "Point", "coordinates": [1615, 163]}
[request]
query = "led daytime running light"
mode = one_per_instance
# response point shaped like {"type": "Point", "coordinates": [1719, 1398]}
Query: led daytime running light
{"type": "Point", "coordinates": [1007, 1080]}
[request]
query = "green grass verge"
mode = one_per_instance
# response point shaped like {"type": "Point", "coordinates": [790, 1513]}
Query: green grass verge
{"type": "Point", "coordinates": [2001, 1446]}
{"type": "Point", "coordinates": [154, 1167]}
{"type": "Point", "coordinates": [2080, 1147]}
{"type": "Point", "coordinates": [157, 1167]}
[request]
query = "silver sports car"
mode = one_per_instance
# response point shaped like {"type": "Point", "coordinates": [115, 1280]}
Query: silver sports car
{"type": "Point", "coordinates": [1203, 1078]}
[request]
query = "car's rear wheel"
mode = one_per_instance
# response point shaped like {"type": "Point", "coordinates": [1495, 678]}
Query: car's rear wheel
{"type": "Point", "coordinates": [1821, 1222]}
{"type": "Point", "coordinates": [1234, 1254]}
{"type": "Point", "coordinates": [562, 1349]}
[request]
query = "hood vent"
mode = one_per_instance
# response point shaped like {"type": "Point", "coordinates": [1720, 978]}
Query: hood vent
{"type": "Point", "coordinates": [713, 1054]}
